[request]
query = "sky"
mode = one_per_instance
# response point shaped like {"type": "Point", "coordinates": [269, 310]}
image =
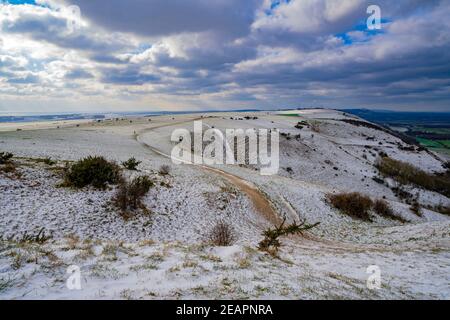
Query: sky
{"type": "Point", "coordinates": [175, 55]}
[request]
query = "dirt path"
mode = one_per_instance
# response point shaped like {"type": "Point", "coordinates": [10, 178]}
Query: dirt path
{"type": "Point", "coordinates": [262, 205]}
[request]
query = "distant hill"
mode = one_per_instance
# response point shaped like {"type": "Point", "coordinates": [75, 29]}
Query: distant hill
{"type": "Point", "coordinates": [398, 117]}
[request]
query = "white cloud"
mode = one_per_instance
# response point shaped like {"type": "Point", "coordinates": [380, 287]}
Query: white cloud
{"type": "Point", "coordinates": [219, 54]}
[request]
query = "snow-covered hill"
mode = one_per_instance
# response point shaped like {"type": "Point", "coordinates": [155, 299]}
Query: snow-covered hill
{"type": "Point", "coordinates": [163, 254]}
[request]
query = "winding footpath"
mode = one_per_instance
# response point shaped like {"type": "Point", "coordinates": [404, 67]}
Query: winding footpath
{"type": "Point", "coordinates": [261, 203]}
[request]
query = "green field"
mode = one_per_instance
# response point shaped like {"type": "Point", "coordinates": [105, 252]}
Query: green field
{"type": "Point", "coordinates": [441, 146]}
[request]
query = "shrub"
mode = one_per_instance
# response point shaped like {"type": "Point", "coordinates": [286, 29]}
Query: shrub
{"type": "Point", "coordinates": [382, 208]}
{"type": "Point", "coordinates": [129, 195]}
{"type": "Point", "coordinates": [378, 180]}
{"type": "Point", "coordinates": [164, 170]}
{"type": "Point", "coordinates": [416, 209]}
{"type": "Point", "coordinates": [47, 161]}
{"type": "Point", "coordinates": [315, 126]}
{"type": "Point", "coordinates": [5, 157]}
{"type": "Point", "coordinates": [94, 171]}
{"type": "Point", "coordinates": [406, 173]}
{"type": "Point", "coordinates": [353, 204]}
{"type": "Point", "coordinates": [271, 243]}
{"type": "Point", "coordinates": [8, 168]}
{"type": "Point", "coordinates": [442, 209]}
{"type": "Point", "coordinates": [222, 234]}
{"type": "Point", "coordinates": [131, 164]}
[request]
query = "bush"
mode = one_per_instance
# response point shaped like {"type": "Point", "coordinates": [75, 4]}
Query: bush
{"type": "Point", "coordinates": [382, 208]}
{"type": "Point", "coordinates": [94, 171]}
{"type": "Point", "coordinates": [222, 234]}
{"type": "Point", "coordinates": [164, 170]}
{"type": "Point", "coordinates": [353, 204]}
{"type": "Point", "coordinates": [315, 126]}
{"type": "Point", "coordinates": [271, 243]}
{"type": "Point", "coordinates": [8, 168]}
{"type": "Point", "coordinates": [442, 209]}
{"type": "Point", "coordinates": [406, 173]}
{"type": "Point", "coordinates": [416, 209]}
{"type": "Point", "coordinates": [129, 195]}
{"type": "Point", "coordinates": [47, 161]}
{"type": "Point", "coordinates": [5, 157]}
{"type": "Point", "coordinates": [131, 164]}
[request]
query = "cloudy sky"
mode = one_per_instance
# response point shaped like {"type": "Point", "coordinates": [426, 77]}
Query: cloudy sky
{"type": "Point", "coordinates": [222, 54]}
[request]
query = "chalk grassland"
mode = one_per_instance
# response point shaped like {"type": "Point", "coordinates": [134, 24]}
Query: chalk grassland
{"type": "Point", "coordinates": [164, 252]}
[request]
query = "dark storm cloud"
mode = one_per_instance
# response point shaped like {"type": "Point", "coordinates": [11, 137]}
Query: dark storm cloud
{"type": "Point", "coordinates": [161, 18]}
{"type": "Point", "coordinates": [305, 52]}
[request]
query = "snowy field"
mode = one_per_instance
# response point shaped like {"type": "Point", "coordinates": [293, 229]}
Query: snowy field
{"type": "Point", "coordinates": [163, 254]}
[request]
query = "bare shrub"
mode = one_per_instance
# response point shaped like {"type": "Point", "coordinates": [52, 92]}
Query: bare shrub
{"type": "Point", "coordinates": [164, 170]}
{"type": "Point", "coordinates": [271, 242]}
{"type": "Point", "coordinates": [129, 194]}
{"type": "Point", "coordinates": [382, 208]}
{"type": "Point", "coordinates": [222, 234]}
{"type": "Point", "coordinates": [353, 204]}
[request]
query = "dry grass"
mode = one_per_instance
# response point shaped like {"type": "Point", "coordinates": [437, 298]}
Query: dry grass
{"type": "Point", "coordinates": [406, 173]}
{"type": "Point", "coordinates": [353, 204]}
{"type": "Point", "coordinates": [442, 209]}
{"type": "Point", "coordinates": [382, 208]}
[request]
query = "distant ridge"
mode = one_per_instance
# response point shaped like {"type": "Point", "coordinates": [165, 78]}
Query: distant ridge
{"type": "Point", "coordinates": [387, 116]}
